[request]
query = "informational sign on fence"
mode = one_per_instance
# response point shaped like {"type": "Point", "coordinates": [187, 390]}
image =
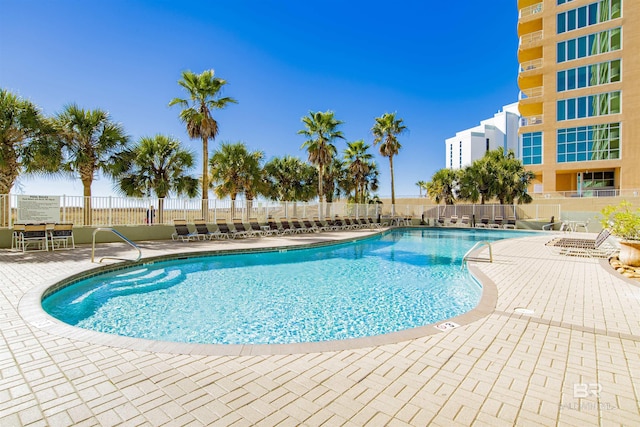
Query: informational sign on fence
{"type": "Point", "coordinates": [38, 209]}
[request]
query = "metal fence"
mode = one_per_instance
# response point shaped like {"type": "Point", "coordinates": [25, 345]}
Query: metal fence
{"type": "Point", "coordinates": [114, 211]}
{"type": "Point", "coordinates": [532, 212]}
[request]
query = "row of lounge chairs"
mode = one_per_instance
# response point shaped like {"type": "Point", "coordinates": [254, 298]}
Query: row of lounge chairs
{"type": "Point", "coordinates": [485, 222]}
{"type": "Point", "coordinates": [254, 229]}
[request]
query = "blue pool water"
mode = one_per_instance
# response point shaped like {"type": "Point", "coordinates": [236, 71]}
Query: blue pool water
{"type": "Point", "coordinates": [398, 280]}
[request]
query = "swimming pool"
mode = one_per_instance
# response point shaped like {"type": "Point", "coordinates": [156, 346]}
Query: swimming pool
{"type": "Point", "coordinates": [402, 279]}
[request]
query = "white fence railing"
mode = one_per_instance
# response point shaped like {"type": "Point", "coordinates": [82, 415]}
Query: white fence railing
{"type": "Point", "coordinates": [491, 211]}
{"type": "Point", "coordinates": [114, 211]}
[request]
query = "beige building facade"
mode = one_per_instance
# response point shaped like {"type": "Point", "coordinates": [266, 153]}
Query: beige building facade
{"type": "Point", "coordinates": [579, 79]}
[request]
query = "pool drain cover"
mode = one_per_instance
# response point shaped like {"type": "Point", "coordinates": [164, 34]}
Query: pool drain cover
{"type": "Point", "coordinates": [446, 326]}
{"type": "Point", "coordinates": [522, 310]}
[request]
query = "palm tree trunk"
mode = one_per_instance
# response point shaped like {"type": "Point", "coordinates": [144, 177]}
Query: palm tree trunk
{"type": "Point", "coordinates": [233, 206]}
{"type": "Point", "coordinates": [161, 210]}
{"type": "Point", "coordinates": [205, 178]}
{"type": "Point", "coordinates": [8, 175]}
{"type": "Point", "coordinates": [320, 178]}
{"type": "Point", "coordinates": [249, 207]}
{"type": "Point", "coordinates": [86, 192]}
{"type": "Point", "coordinates": [393, 191]}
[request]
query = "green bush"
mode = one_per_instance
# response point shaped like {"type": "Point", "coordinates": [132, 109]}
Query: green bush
{"type": "Point", "coordinates": [622, 220]}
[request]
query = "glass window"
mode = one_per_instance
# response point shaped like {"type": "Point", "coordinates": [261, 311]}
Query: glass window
{"type": "Point", "coordinates": [571, 109]}
{"type": "Point", "coordinates": [571, 49]}
{"type": "Point", "coordinates": [571, 79]}
{"type": "Point", "coordinates": [561, 113]}
{"type": "Point", "coordinates": [582, 16]}
{"type": "Point", "coordinates": [582, 77]}
{"type": "Point", "coordinates": [582, 47]}
{"type": "Point", "coordinates": [582, 107]}
{"type": "Point", "coordinates": [593, 13]}
{"type": "Point", "coordinates": [615, 71]}
{"type": "Point", "coordinates": [594, 142]}
{"type": "Point", "coordinates": [615, 39]}
{"type": "Point", "coordinates": [614, 103]}
{"type": "Point", "coordinates": [603, 42]}
{"type": "Point", "coordinates": [561, 26]}
{"type": "Point", "coordinates": [616, 9]}
{"type": "Point", "coordinates": [561, 81]}
{"type": "Point", "coordinates": [571, 20]}
{"type": "Point", "coordinates": [561, 52]}
{"type": "Point", "coordinates": [532, 148]}
{"type": "Point", "coordinates": [592, 44]}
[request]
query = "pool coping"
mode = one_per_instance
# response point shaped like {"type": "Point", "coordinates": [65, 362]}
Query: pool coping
{"type": "Point", "coordinates": [30, 309]}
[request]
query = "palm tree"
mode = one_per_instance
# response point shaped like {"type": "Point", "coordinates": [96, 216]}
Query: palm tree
{"type": "Point", "coordinates": [90, 143]}
{"type": "Point", "coordinates": [358, 164]}
{"type": "Point", "coordinates": [386, 131]}
{"type": "Point", "coordinates": [370, 182]}
{"type": "Point", "coordinates": [321, 129]}
{"type": "Point", "coordinates": [422, 185]}
{"type": "Point", "coordinates": [235, 170]}
{"type": "Point", "coordinates": [157, 165]}
{"type": "Point", "coordinates": [204, 96]}
{"type": "Point", "coordinates": [290, 179]}
{"type": "Point", "coordinates": [442, 186]}
{"type": "Point", "coordinates": [511, 178]}
{"type": "Point", "coordinates": [23, 144]}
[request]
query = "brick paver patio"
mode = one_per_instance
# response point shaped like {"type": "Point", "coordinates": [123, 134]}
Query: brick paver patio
{"type": "Point", "coordinates": [575, 361]}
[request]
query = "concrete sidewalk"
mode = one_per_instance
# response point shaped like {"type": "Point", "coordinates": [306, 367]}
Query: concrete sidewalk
{"type": "Point", "coordinates": [574, 361]}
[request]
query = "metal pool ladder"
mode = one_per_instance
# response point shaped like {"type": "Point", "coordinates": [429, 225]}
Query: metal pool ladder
{"type": "Point", "coordinates": [466, 258]}
{"type": "Point", "coordinates": [117, 233]}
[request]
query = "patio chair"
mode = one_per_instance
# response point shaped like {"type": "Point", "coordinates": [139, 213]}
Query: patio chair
{"type": "Point", "coordinates": [453, 220]}
{"type": "Point", "coordinates": [241, 230]}
{"type": "Point", "coordinates": [259, 230]}
{"type": "Point", "coordinates": [312, 228]}
{"type": "Point", "coordinates": [322, 226]}
{"type": "Point", "coordinates": [34, 234]}
{"type": "Point", "coordinates": [484, 222]}
{"type": "Point", "coordinates": [373, 224]}
{"type": "Point", "coordinates": [18, 229]}
{"type": "Point", "coordinates": [597, 247]}
{"type": "Point", "coordinates": [202, 230]}
{"type": "Point", "coordinates": [465, 220]}
{"type": "Point", "coordinates": [273, 227]}
{"type": "Point", "coordinates": [182, 231]}
{"type": "Point", "coordinates": [355, 222]}
{"type": "Point", "coordinates": [363, 223]}
{"type": "Point", "coordinates": [348, 224]}
{"type": "Point", "coordinates": [223, 228]}
{"type": "Point", "coordinates": [61, 235]}
{"type": "Point", "coordinates": [295, 223]}
{"type": "Point", "coordinates": [286, 228]}
{"type": "Point", "coordinates": [498, 220]}
{"type": "Point", "coordinates": [511, 222]}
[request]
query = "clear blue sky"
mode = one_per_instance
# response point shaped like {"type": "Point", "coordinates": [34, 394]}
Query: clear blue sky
{"type": "Point", "coordinates": [442, 66]}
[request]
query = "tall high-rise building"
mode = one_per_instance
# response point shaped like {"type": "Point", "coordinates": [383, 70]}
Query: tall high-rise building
{"type": "Point", "coordinates": [579, 82]}
{"type": "Point", "coordinates": [469, 145]}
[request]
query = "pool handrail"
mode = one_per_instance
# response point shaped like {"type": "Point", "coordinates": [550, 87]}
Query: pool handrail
{"type": "Point", "coordinates": [481, 242]}
{"type": "Point", "coordinates": [117, 233]}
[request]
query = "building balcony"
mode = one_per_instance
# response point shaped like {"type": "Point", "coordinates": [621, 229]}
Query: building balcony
{"type": "Point", "coordinates": [530, 39]}
{"type": "Point", "coordinates": [531, 65]}
{"type": "Point", "coordinates": [531, 10]}
{"type": "Point", "coordinates": [530, 121]}
{"type": "Point", "coordinates": [533, 92]}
